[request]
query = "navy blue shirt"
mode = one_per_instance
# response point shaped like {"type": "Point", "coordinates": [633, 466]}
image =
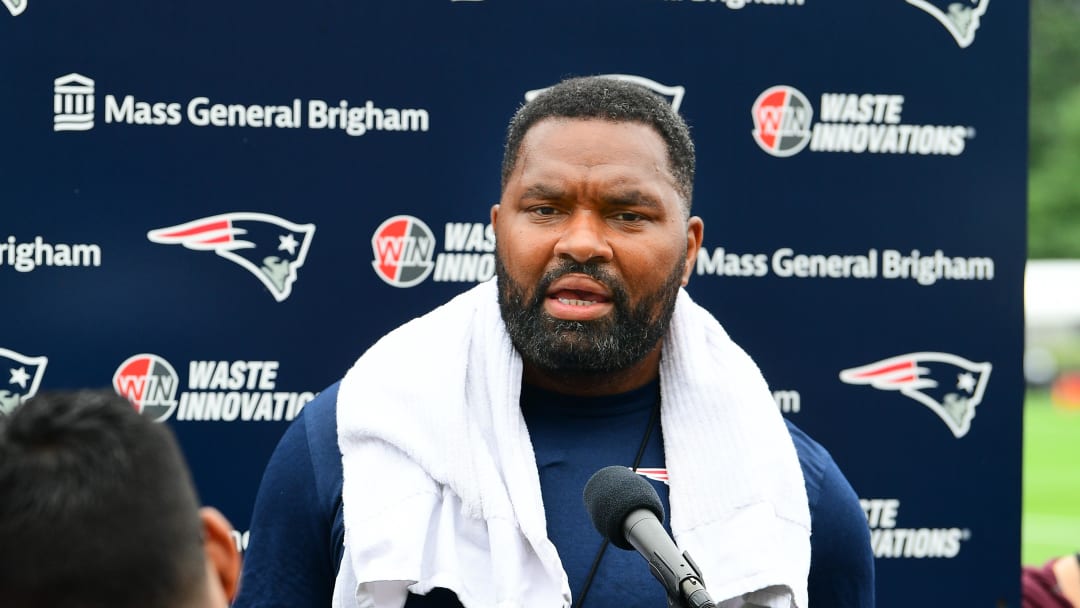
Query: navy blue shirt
{"type": "Point", "coordinates": [297, 528]}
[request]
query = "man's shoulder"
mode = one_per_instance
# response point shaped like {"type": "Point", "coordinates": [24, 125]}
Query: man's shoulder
{"type": "Point", "coordinates": [842, 566]}
{"type": "Point", "coordinates": [817, 464]}
{"type": "Point", "coordinates": [319, 420]}
{"type": "Point", "coordinates": [806, 446]}
{"type": "Point", "coordinates": [323, 408]}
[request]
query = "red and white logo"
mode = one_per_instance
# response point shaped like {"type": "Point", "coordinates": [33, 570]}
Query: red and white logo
{"type": "Point", "coordinates": [783, 119]}
{"type": "Point", "coordinates": [950, 385]}
{"type": "Point", "coordinates": [853, 123]}
{"type": "Point", "coordinates": [271, 248]}
{"type": "Point", "coordinates": [149, 382]}
{"type": "Point", "coordinates": [404, 249]}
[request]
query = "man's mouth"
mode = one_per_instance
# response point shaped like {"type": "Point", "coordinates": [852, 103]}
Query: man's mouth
{"type": "Point", "coordinates": [573, 297]}
{"type": "Point", "coordinates": [576, 297]}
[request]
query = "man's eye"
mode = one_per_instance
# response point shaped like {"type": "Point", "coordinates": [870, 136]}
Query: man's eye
{"type": "Point", "coordinates": [627, 216]}
{"type": "Point", "coordinates": [546, 211]}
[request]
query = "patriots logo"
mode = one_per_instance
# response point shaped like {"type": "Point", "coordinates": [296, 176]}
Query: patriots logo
{"type": "Point", "coordinates": [960, 18]}
{"type": "Point", "coordinates": [269, 247]}
{"type": "Point", "coordinates": [674, 94]}
{"type": "Point", "coordinates": [25, 378]}
{"type": "Point", "coordinates": [15, 6]}
{"type": "Point", "coordinates": [949, 385]}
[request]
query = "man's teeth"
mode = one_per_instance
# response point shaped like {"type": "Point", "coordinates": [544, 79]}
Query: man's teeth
{"type": "Point", "coordinates": [570, 302]}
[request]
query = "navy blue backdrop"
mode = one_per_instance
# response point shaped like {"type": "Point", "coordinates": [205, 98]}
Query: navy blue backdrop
{"type": "Point", "coordinates": [217, 207]}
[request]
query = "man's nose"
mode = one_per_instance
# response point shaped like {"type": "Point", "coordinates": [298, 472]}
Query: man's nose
{"type": "Point", "coordinates": [584, 238]}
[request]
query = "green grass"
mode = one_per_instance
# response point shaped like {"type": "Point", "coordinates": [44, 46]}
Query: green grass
{"type": "Point", "coordinates": [1051, 512]}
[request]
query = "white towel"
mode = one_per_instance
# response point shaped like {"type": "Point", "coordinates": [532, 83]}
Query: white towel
{"type": "Point", "coordinates": [441, 487]}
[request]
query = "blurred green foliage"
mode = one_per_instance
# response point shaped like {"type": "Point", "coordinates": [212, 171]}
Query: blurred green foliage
{"type": "Point", "coordinates": [1051, 522]}
{"type": "Point", "coordinates": [1054, 161]}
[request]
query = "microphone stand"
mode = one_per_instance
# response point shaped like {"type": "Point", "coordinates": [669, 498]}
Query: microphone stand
{"type": "Point", "coordinates": [692, 592]}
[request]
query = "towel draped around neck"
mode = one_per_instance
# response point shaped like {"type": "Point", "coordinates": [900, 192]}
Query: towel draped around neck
{"type": "Point", "coordinates": [441, 487]}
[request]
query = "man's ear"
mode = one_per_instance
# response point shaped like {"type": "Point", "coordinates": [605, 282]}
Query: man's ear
{"type": "Point", "coordinates": [695, 231]}
{"type": "Point", "coordinates": [494, 213]}
{"type": "Point", "coordinates": [221, 554]}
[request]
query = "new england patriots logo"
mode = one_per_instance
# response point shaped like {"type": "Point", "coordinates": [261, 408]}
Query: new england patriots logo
{"type": "Point", "coordinates": [24, 377]}
{"type": "Point", "coordinates": [269, 247]}
{"type": "Point", "coordinates": [16, 7]}
{"type": "Point", "coordinates": [960, 17]}
{"type": "Point", "coordinates": [949, 385]}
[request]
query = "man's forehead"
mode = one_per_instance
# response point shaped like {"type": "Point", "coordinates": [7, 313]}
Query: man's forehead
{"type": "Point", "coordinates": [581, 124]}
{"type": "Point", "coordinates": [581, 139]}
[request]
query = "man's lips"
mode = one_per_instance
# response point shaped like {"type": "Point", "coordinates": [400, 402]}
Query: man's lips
{"type": "Point", "coordinates": [577, 298]}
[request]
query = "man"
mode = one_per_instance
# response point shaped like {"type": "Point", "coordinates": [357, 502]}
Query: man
{"type": "Point", "coordinates": [98, 510]}
{"type": "Point", "coordinates": [460, 484]}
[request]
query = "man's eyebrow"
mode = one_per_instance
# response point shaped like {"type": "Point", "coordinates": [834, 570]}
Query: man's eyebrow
{"type": "Point", "coordinates": [543, 192]}
{"type": "Point", "coordinates": [632, 198]}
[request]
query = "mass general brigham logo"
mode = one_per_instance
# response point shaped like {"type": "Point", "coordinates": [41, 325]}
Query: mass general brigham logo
{"type": "Point", "coordinates": [73, 103]}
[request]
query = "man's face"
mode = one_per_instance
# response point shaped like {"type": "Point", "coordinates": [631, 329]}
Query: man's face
{"type": "Point", "coordinates": [592, 245]}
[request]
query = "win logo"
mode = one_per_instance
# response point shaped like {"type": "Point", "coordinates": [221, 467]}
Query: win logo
{"type": "Point", "coordinates": [149, 382]}
{"type": "Point", "coordinates": [404, 248]}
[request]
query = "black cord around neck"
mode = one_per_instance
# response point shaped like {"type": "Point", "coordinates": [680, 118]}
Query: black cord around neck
{"type": "Point", "coordinates": [654, 417]}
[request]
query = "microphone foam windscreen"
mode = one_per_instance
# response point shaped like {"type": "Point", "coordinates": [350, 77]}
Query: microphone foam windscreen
{"type": "Point", "coordinates": [611, 494]}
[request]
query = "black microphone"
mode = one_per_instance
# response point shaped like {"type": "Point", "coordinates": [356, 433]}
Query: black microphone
{"type": "Point", "coordinates": [626, 510]}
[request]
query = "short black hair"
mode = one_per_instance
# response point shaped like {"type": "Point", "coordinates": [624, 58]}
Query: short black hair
{"type": "Point", "coordinates": [97, 507]}
{"type": "Point", "coordinates": [611, 99]}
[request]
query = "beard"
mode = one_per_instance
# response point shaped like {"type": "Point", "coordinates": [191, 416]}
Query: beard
{"type": "Point", "coordinates": [613, 343]}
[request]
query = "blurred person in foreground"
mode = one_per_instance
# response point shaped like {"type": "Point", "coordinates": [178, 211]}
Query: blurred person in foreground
{"type": "Point", "coordinates": [1055, 584]}
{"type": "Point", "coordinates": [97, 509]}
{"type": "Point", "coordinates": [446, 469]}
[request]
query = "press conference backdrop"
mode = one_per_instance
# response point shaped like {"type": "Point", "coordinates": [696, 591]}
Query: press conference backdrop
{"type": "Point", "coordinates": [216, 207]}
